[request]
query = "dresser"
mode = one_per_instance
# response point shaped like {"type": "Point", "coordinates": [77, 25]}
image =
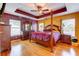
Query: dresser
{"type": "Point", "coordinates": [5, 42]}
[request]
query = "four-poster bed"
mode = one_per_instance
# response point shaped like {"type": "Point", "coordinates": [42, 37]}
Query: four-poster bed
{"type": "Point", "coordinates": [49, 37]}
{"type": "Point", "coordinates": [45, 38]}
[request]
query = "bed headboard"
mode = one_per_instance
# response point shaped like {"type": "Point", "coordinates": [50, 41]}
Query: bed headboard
{"type": "Point", "coordinates": [55, 28]}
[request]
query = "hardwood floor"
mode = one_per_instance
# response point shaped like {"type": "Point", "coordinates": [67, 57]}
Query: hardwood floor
{"type": "Point", "coordinates": [26, 48]}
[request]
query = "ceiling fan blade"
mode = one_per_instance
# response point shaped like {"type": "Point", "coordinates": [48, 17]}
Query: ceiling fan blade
{"type": "Point", "coordinates": [45, 10]}
{"type": "Point", "coordinates": [34, 10]}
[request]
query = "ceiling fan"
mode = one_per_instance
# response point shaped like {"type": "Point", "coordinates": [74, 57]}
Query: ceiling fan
{"type": "Point", "coordinates": [40, 8]}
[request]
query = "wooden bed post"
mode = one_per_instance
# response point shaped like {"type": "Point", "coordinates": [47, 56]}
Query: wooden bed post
{"type": "Point", "coordinates": [30, 31]}
{"type": "Point", "coordinates": [51, 37]}
{"type": "Point", "coordinates": [37, 26]}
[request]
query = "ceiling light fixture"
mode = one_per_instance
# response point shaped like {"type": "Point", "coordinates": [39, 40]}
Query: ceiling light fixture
{"type": "Point", "coordinates": [41, 8]}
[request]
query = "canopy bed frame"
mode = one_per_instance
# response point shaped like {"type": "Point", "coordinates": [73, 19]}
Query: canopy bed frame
{"type": "Point", "coordinates": [40, 36]}
{"type": "Point", "coordinates": [44, 38]}
{"type": "Point", "coordinates": [50, 36]}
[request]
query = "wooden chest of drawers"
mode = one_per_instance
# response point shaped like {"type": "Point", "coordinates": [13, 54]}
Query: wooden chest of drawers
{"type": "Point", "coordinates": [5, 42]}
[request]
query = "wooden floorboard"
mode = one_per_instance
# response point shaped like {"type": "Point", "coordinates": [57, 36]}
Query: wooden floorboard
{"type": "Point", "coordinates": [26, 48]}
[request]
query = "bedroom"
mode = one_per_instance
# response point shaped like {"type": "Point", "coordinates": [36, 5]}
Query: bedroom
{"type": "Point", "coordinates": [39, 29]}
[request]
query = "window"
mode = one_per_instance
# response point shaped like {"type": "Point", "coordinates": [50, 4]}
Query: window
{"type": "Point", "coordinates": [34, 27]}
{"type": "Point", "coordinates": [68, 27]}
{"type": "Point", "coordinates": [41, 27]}
{"type": "Point", "coordinates": [27, 27]}
{"type": "Point", "coordinates": [15, 27]}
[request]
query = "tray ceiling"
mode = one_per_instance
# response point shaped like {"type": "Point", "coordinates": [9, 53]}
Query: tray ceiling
{"type": "Point", "coordinates": [27, 7]}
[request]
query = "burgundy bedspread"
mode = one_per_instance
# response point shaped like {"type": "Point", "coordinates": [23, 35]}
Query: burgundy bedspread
{"type": "Point", "coordinates": [45, 36]}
